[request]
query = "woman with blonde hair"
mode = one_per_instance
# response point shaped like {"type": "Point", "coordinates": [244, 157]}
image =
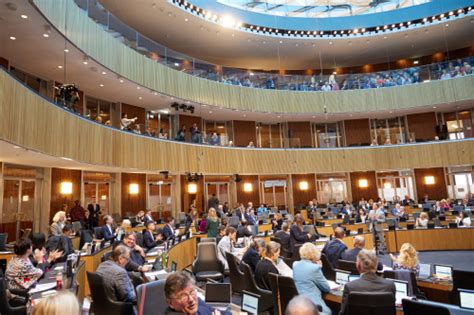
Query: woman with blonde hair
{"type": "Point", "coordinates": [212, 223]}
{"type": "Point", "coordinates": [62, 303]}
{"type": "Point", "coordinates": [423, 220]}
{"type": "Point", "coordinates": [309, 278]}
{"type": "Point", "coordinates": [59, 221]}
{"type": "Point", "coordinates": [407, 259]}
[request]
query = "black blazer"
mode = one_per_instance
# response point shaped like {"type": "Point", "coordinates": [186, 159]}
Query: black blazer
{"type": "Point", "coordinates": [167, 232]}
{"type": "Point", "coordinates": [243, 231]}
{"type": "Point", "coordinates": [297, 236]}
{"type": "Point", "coordinates": [93, 214]}
{"type": "Point", "coordinates": [149, 240]}
{"type": "Point", "coordinates": [251, 258]}
{"type": "Point", "coordinates": [264, 267]}
{"type": "Point", "coordinates": [108, 236]}
{"type": "Point", "coordinates": [284, 240]}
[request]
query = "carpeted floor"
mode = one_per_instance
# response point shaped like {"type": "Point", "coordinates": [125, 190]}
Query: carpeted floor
{"type": "Point", "coordinates": [462, 260]}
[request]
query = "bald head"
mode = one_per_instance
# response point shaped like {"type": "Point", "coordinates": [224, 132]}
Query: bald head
{"type": "Point", "coordinates": [359, 241]}
{"type": "Point", "coordinates": [301, 305]}
{"type": "Point", "coordinates": [339, 232]}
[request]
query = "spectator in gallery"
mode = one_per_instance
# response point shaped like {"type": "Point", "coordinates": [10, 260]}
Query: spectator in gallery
{"type": "Point", "coordinates": [251, 145]}
{"type": "Point", "coordinates": [136, 129]}
{"type": "Point", "coordinates": [326, 87]}
{"type": "Point", "coordinates": [98, 119]}
{"type": "Point", "coordinates": [445, 75]}
{"type": "Point", "coordinates": [162, 134]}
{"type": "Point", "coordinates": [388, 141]}
{"type": "Point", "coordinates": [374, 143]}
{"type": "Point", "coordinates": [125, 122]}
{"type": "Point", "coordinates": [195, 133]}
{"type": "Point", "coordinates": [180, 136]}
{"type": "Point", "coordinates": [463, 219]}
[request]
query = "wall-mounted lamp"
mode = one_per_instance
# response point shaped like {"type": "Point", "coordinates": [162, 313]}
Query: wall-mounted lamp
{"type": "Point", "coordinates": [387, 185]}
{"type": "Point", "coordinates": [363, 183]}
{"type": "Point", "coordinates": [429, 180]}
{"type": "Point", "coordinates": [25, 198]}
{"type": "Point", "coordinates": [103, 197]}
{"type": "Point", "coordinates": [133, 189]}
{"type": "Point", "coordinates": [304, 185]}
{"type": "Point", "coordinates": [66, 188]}
{"type": "Point", "coordinates": [192, 188]}
{"type": "Point", "coordinates": [248, 187]}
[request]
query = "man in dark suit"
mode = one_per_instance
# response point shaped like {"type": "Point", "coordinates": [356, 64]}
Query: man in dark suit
{"type": "Point", "coordinates": [168, 230]}
{"type": "Point", "coordinates": [243, 230]}
{"type": "Point", "coordinates": [335, 247]}
{"type": "Point", "coordinates": [368, 282]}
{"type": "Point", "coordinates": [149, 239]}
{"type": "Point", "coordinates": [213, 202]}
{"type": "Point", "coordinates": [61, 243]}
{"type": "Point", "coordinates": [284, 236]}
{"type": "Point", "coordinates": [109, 232]}
{"type": "Point", "coordinates": [351, 254]}
{"type": "Point", "coordinates": [94, 212]}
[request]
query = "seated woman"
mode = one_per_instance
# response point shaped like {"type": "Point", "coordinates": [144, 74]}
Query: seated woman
{"type": "Point", "coordinates": [267, 265]}
{"type": "Point", "coordinates": [423, 220]}
{"type": "Point", "coordinates": [309, 278]}
{"type": "Point", "coordinates": [59, 221]}
{"type": "Point", "coordinates": [407, 259]}
{"type": "Point", "coordinates": [361, 216]}
{"type": "Point", "coordinates": [463, 219]}
{"type": "Point", "coordinates": [254, 253]}
{"type": "Point", "coordinates": [38, 241]}
{"type": "Point", "coordinates": [20, 273]}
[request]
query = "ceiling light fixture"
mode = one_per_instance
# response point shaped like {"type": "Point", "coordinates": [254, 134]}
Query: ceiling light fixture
{"type": "Point", "coordinates": [12, 37]}
{"type": "Point", "coordinates": [24, 16]}
{"type": "Point", "coordinates": [66, 50]}
{"type": "Point", "coordinates": [45, 35]}
{"type": "Point", "coordinates": [101, 85]}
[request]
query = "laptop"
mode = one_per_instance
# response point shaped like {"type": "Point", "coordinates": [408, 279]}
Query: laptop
{"type": "Point", "coordinates": [443, 271]}
{"type": "Point", "coordinates": [425, 271]}
{"type": "Point", "coordinates": [249, 302]}
{"type": "Point", "coordinates": [353, 277]}
{"type": "Point", "coordinates": [218, 295]}
{"type": "Point", "coordinates": [342, 277]}
{"type": "Point", "coordinates": [401, 288]}
{"type": "Point", "coordinates": [466, 299]}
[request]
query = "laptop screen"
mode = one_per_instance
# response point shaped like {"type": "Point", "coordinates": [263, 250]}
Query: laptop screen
{"type": "Point", "coordinates": [443, 270]}
{"type": "Point", "coordinates": [353, 277]}
{"type": "Point", "coordinates": [425, 270]}
{"type": "Point", "coordinates": [250, 303]}
{"type": "Point", "coordinates": [466, 298]}
{"type": "Point", "coordinates": [218, 293]}
{"type": "Point", "coordinates": [342, 277]}
{"type": "Point", "coordinates": [401, 288]}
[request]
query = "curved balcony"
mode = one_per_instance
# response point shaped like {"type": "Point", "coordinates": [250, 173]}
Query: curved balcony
{"type": "Point", "coordinates": [127, 53]}
{"type": "Point", "coordinates": [31, 121]}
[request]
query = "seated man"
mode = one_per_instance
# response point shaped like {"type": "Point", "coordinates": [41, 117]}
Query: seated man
{"type": "Point", "coordinates": [226, 245]}
{"type": "Point", "coordinates": [149, 239]}
{"type": "Point", "coordinates": [181, 296]}
{"type": "Point", "coordinates": [168, 230]}
{"type": "Point", "coordinates": [243, 230]}
{"type": "Point", "coordinates": [118, 285]}
{"type": "Point", "coordinates": [284, 236]}
{"type": "Point", "coordinates": [351, 254]}
{"type": "Point", "coordinates": [335, 247]}
{"type": "Point", "coordinates": [108, 230]}
{"type": "Point", "coordinates": [301, 305]}
{"type": "Point", "coordinates": [62, 243]}
{"type": "Point", "coordinates": [137, 254]}
{"type": "Point", "coordinates": [369, 281]}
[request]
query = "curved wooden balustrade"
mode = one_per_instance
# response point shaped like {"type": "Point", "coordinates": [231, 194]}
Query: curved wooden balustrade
{"type": "Point", "coordinates": [31, 121]}
{"type": "Point", "coordinates": [100, 45]}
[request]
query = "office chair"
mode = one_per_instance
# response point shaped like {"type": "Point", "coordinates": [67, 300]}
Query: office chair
{"type": "Point", "coordinates": [265, 303]}
{"type": "Point", "coordinates": [348, 266]}
{"type": "Point", "coordinates": [412, 307]}
{"type": "Point", "coordinates": [328, 270]}
{"type": "Point", "coordinates": [283, 290]}
{"type": "Point", "coordinates": [151, 298]}
{"type": "Point", "coordinates": [102, 303]}
{"type": "Point", "coordinates": [98, 232]}
{"type": "Point", "coordinates": [371, 303]}
{"type": "Point", "coordinates": [207, 265]}
{"type": "Point", "coordinates": [208, 240]}
{"type": "Point", "coordinates": [235, 274]}
{"type": "Point", "coordinates": [462, 279]}
{"type": "Point", "coordinates": [5, 307]}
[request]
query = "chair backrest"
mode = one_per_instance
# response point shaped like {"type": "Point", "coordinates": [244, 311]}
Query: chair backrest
{"type": "Point", "coordinates": [98, 233]}
{"type": "Point", "coordinates": [208, 240]}
{"type": "Point", "coordinates": [283, 290]}
{"type": "Point", "coordinates": [348, 266]}
{"type": "Point", "coordinates": [328, 270]}
{"type": "Point", "coordinates": [236, 276]}
{"type": "Point", "coordinates": [5, 307]}
{"type": "Point", "coordinates": [86, 237]}
{"type": "Point", "coordinates": [106, 256]}
{"type": "Point", "coordinates": [265, 302]}
{"type": "Point", "coordinates": [151, 298]}
{"type": "Point", "coordinates": [234, 221]}
{"type": "Point", "coordinates": [102, 303]}
{"type": "Point", "coordinates": [462, 279]}
{"type": "Point", "coordinates": [411, 307]}
{"type": "Point", "coordinates": [206, 258]}
{"type": "Point", "coordinates": [405, 275]}
{"type": "Point", "coordinates": [139, 237]}
{"type": "Point", "coordinates": [371, 303]}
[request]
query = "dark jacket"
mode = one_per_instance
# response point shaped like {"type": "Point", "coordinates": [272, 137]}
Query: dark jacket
{"type": "Point", "coordinates": [333, 250]}
{"type": "Point", "coordinates": [243, 231]}
{"type": "Point", "coordinates": [149, 240]}
{"type": "Point", "coordinates": [168, 232]}
{"type": "Point", "coordinates": [61, 243]}
{"type": "Point", "coordinates": [203, 309]}
{"type": "Point", "coordinates": [297, 236]}
{"type": "Point", "coordinates": [368, 282]}
{"type": "Point", "coordinates": [284, 240]}
{"type": "Point", "coordinates": [264, 267]}
{"type": "Point", "coordinates": [251, 258]}
{"type": "Point", "coordinates": [108, 235]}
{"type": "Point", "coordinates": [93, 214]}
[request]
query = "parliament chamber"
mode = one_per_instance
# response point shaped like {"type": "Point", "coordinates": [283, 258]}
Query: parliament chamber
{"type": "Point", "coordinates": [236, 157]}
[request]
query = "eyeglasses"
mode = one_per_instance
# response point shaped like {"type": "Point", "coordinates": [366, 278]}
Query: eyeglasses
{"type": "Point", "coordinates": [185, 297]}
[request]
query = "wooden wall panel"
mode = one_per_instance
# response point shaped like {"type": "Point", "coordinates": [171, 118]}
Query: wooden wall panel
{"type": "Point", "coordinates": [134, 111]}
{"type": "Point", "coordinates": [133, 203]}
{"type": "Point", "coordinates": [360, 192]}
{"type": "Point", "coordinates": [244, 132]}
{"type": "Point", "coordinates": [4, 63]}
{"type": "Point", "coordinates": [423, 125]}
{"type": "Point", "coordinates": [357, 132]}
{"type": "Point", "coordinates": [58, 176]}
{"type": "Point", "coordinates": [438, 190]}
{"type": "Point", "coordinates": [303, 196]}
{"type": "Point", "coordinates": [253, 196]}
{"type": "Point", "coordinates": [198, 198]}
{"type": "Point", "coordinates": [301, 130]}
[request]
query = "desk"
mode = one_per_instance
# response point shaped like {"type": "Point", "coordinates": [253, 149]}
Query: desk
{"type": "Point", "coordinates": [7, 256]}
{"type": "Point", "coordinates": [76, 242]}
{"type": "Point", "coordinates": [183, 253]}
{"type": "Point", "coordinates": [264, 227]}
{"type": "Point", "coordinates": [92, 262]}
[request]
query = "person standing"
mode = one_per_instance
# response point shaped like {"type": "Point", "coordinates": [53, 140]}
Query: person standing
{"type": "Point", "coordinates": [77, 213]}
{"type": "Point", "coordinates": [94, 213]}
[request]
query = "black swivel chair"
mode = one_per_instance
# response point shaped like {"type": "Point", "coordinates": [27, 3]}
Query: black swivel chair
{"type": "Point", "coordinates": [461, 280]}
{"type": "Point", "coordinates": [86, 237]}
{"type": "Point", "coordinates": [102, 304]}
{"type": "Point", "coordinates": [328, 270]}
{"type": "Point", "coordinates": [106, 256]}
{"type": "Point", "coordinates": [207, 265]}
{"type": "Point", "coordinates": [371, 303]}
{"type": "Point", "coordinates": [236, 276]}
{"type": "Point", "coordinates": [98, 232]}
{"type": "Point", "coordinates": [139, 237]}
{"type": "Point", "coordinates": [348, 266]}
{"type": "Point", "coordinates": [265, 302]}
{"type": "Point", "coordinates": [283, 290]}
{"type": "Point", "coordinates": [5, 308]}
{"type": "Point", "coordinates": [411, 307]}
{"type": "Point", "coordinates": [413, 289]}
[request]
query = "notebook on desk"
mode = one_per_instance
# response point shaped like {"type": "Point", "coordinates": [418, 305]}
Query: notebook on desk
{"type": "Point", "coordinates": [466, 299]}
{"type": "Point", "coordinates": [218, 295]}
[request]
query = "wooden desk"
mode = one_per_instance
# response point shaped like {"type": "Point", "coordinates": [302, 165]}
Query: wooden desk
{"type": "Point", "coordinates": [92, 262]}
{"type": "Point", "coordinates": [264, 227]}
{"type": "Point", "coordinates": [183, 253]}
{"type": "Point", "coordinates": [76, 242]}
{"type": "Point", "coordinates": [436, 291]}
{"type": "Point", "coordinates": [7, 256]}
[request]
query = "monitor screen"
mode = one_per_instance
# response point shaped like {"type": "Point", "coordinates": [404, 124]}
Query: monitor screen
{"type": "Point", "coordinates": [425, 270]}
{"type": "Point", "coordinates": [401, 288]}
{"type": "Point", "coordinates": [466, 298]}
{"type": "Point", "coordinates": [443, 271]}
{"type": "Point", "coordinates": [174, 266]}
{"type": "Point", "coordinates": [218, 293]}
{"type": "Point", "coordinates": [353, 277]}
{"type": "Point", "coordinates": [342, 277]}
{"type": "Point", "coordinates": [250, 303]}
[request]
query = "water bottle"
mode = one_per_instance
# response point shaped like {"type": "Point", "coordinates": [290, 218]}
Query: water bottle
{"type": "Point", "coordinates": [59, 281]}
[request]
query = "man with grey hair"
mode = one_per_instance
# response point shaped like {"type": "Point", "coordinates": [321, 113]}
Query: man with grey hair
{"type": "Point", "coordinates": [369, 281]}
{"type": "Point", "coordinates": [351, 254]}
{"type": "Point", "coordinates": [284, 236]}
{"type": "Point", "coordinates": [335, 247]}
{"type": "Point", "coordinates": [301, 305]}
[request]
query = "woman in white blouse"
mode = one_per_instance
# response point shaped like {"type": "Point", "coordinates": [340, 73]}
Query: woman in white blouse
{"type": "Point", "coordinates": [463, 219]}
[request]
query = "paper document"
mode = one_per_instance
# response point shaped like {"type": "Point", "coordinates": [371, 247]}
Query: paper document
{"type": "Point", "coordinates": [333, 285]}
{"type": "Point", "coordinates": [284, 269]}
{"type": "Point", "coordinates": [42, 287]}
